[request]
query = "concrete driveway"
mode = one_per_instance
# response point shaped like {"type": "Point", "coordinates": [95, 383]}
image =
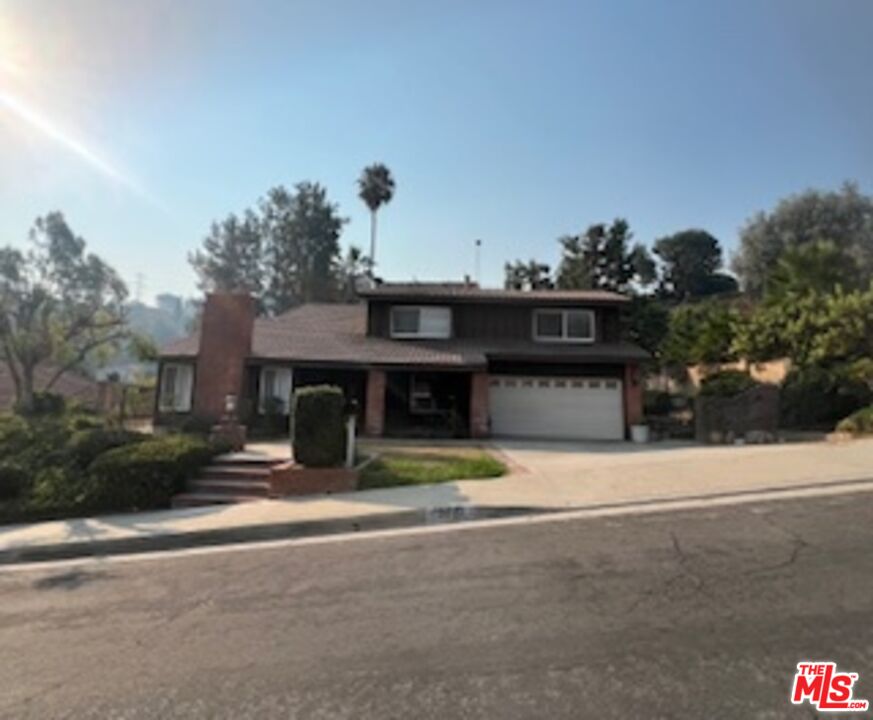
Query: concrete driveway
{"type": "Point", "coordinates": [579, 473]}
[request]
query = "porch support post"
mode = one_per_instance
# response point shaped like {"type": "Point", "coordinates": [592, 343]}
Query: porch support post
{"type": "Point", "coordinates": [633, 395]}
{"type": "Point", "coordinates": [374, 417]}
{"type": "Point", "coordinates": [479, 405]}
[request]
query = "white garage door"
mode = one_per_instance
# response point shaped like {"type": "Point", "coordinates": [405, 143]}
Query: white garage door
{"type": "Point", "coordinates": [552, 407]}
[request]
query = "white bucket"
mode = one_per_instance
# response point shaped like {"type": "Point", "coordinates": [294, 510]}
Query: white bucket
{"type": "Point", "coordinates": [640, 433]}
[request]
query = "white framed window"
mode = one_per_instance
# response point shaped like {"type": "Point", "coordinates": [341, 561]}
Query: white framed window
{"type": "Point", "coordinates": [421, 321]}
{"type": "Point", "coordinates": [575, 326]}
{"type": "Point", "coordinates": [275, 386]}
{"type": "Point", "coordinates": [177, 385]}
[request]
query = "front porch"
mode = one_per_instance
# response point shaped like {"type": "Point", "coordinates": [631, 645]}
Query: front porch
{"type": "Point", "coordinates": [393, 403]}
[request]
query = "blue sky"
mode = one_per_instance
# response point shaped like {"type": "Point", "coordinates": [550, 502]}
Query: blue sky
{"type": "Point", "coordinates": [514, 122]}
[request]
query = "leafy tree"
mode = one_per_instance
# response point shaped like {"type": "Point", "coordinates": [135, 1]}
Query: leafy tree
{"type": "Point", "coordinates": [647, 323]}
{"type": "Point", "coordinates": [816, 267]}
{"type": "Point", "coordinates": [602, 258]}
{"type": "Point", "coordinates": [844, 218]}
{"type": "Point", "coordinates": [375, 188]}
{"type": "Point", "coordinates": [812, 329]}
{"type": "Point", "coordinates": [354, 266]}
{"type": "Point", "coordinates": [691, 259]}
{"type": "Point", "coordinates": [531, 275]}
{"type": "Point", "coordinates": [701, 333]}
{"type": "Point", "coordinates": [301, 235]}
{"type": "Point", "coordinates": [231, 259]}
{"type": "Point", "coordinates": [58, 305]}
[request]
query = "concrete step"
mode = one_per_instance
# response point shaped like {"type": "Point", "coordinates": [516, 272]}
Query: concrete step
{"type": "Point", "coordinates": [198, 499]}
{"type": "Point", "coordinates": [208, 483]}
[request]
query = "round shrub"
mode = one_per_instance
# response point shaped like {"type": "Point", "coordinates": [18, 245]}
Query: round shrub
{"type": "Point", "coordinates": [319, 420]}
{"type": "Point", "coordinates": [146, 474]}
{"type": "Point", "coordinates": [727, 383]}
{"type": "Point", "coordinates": [859, 422]}
{"type": "Point", "coordinates": [86, 445]}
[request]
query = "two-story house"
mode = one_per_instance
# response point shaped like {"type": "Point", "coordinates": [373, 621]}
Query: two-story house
{"type": "Point", "coordinates": [421, 358]}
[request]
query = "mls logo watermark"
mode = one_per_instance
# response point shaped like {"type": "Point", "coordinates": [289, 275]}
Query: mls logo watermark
{"type": "Point", "coordinates": [826, 688]}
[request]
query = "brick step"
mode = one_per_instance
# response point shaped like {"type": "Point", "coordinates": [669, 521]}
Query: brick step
{"type": "Point", "coordinates": [236, 471]}
{"type": "Point", "coordinates": [246, 460]}
{"type": "Point", "coordinates": [197, 499]}
{"type": "Point", "coordinates": [210, 484]}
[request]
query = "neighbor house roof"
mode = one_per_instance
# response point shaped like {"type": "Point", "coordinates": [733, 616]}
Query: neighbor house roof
{"type": "Point", "coordinates": [460, 292]}
{"type": "Point", "coordinates": [336, 334]}
{"type": "Point", "coordinates": [71, 385]}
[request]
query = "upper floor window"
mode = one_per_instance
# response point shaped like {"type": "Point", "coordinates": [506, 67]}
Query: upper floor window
{"type": "Point", "coordinates": [412, 321]}
{"type": "Point", "coordinates": [563, 326]}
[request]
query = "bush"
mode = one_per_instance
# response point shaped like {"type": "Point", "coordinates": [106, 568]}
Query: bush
{"type": "Point", "coordinates": [15, 434]}
{"type": "Point", "coordinates": [145, 474]}
{"type": "Point", "coordinates": [47, 404]}
{"type": "Point", "coordinates": [319, 432]}
{"type": "Point", "coordinates": [818, 397]}
{"type": "Point", "coordinates": [86, 445]}
{"type": "Point", "coordinates": [13, 481]}
{"type": "Point", "coordinates": [657, 402]}
{"type": "Point", "coordinates": [859, 422]}
{"type": "Point", "coordinates": [727, 383]}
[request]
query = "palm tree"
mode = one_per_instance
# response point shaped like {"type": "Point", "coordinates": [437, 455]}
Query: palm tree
{"type": "Point", "coordinates": [375, 188]}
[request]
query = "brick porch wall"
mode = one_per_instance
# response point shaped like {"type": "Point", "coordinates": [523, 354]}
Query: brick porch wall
{"type": "Point", "coordinates": [225, 343]}
{"type": "Point", "coordinates": [479, 426]}
{"type": "Point", "coordinates": [633, 395]}
{"type": "Point", "coordinates": [374, 416]}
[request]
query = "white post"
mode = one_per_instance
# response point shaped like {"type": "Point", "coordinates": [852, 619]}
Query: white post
{"type": "Point", "coordinates": [350, 441]}
{"type": "Point", "coordinates": [291, 413]}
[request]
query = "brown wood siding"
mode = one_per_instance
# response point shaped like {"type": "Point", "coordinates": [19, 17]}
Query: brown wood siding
{"type": "Point", "coordinates": [493, 321]}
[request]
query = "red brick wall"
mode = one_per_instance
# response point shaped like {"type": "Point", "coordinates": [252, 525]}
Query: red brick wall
{"type": "Point", "coordinates": [633, 395]}
{"type": "Point", "coordinates": [225, 343]}
{"type": "Point", "coordinates": [479, 405]}
{"type": "Point", "coordinates": [374, 417]}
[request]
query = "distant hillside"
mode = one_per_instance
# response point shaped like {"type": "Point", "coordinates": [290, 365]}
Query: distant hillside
{"type": "Point", "coordinates": [156, 323]}
{"type": "Point", "coordinates": [170, 320]}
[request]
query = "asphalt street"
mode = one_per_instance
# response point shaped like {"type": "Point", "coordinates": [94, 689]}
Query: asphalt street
{"type": "Point", "coordinates": [693, 614]}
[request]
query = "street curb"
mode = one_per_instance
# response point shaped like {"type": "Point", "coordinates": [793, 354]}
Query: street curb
{"type": "Point", "coordinates": [258, 533]}
{"type": "Point", "coordinates": [419, 517]}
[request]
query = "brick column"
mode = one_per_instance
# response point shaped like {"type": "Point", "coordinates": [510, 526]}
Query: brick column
{"type": "Point", "coordinates": [633, 395]}
{"type": "Point", "coordinates": [479, 405]}
{"type": "Point", "coordinates": [374, 417]}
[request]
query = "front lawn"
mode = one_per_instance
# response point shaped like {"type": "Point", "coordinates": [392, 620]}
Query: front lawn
{"type": "Point", "coordinates": [395, 468]}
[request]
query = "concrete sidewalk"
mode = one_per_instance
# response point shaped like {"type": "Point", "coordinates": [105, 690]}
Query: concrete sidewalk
{"type": "Point", "coordinates": [543, 477]}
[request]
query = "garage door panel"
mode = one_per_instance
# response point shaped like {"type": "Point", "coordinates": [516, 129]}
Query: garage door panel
{"type": "Point", "coordinates": [571, 408]}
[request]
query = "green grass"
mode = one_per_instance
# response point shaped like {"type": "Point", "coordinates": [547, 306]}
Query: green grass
{"type": "Point", "coordinates": [393, 469]}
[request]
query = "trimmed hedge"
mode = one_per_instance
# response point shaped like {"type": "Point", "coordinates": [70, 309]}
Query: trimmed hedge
{"type": "Point", "coordinates": [319, 420]}
{"type": "Point", "coordinates": [145, 474]}
{"type": "Point", "coordinates": [859, 422]}
{"type": "Point", "coordinates": [727, 383]}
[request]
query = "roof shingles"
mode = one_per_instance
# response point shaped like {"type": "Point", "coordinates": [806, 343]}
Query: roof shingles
{"type": "Point", "coordinates": [336, 334]}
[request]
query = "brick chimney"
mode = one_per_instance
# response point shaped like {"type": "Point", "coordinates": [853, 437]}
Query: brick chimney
{"type": "Point", "coordinates": [225, 343]}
